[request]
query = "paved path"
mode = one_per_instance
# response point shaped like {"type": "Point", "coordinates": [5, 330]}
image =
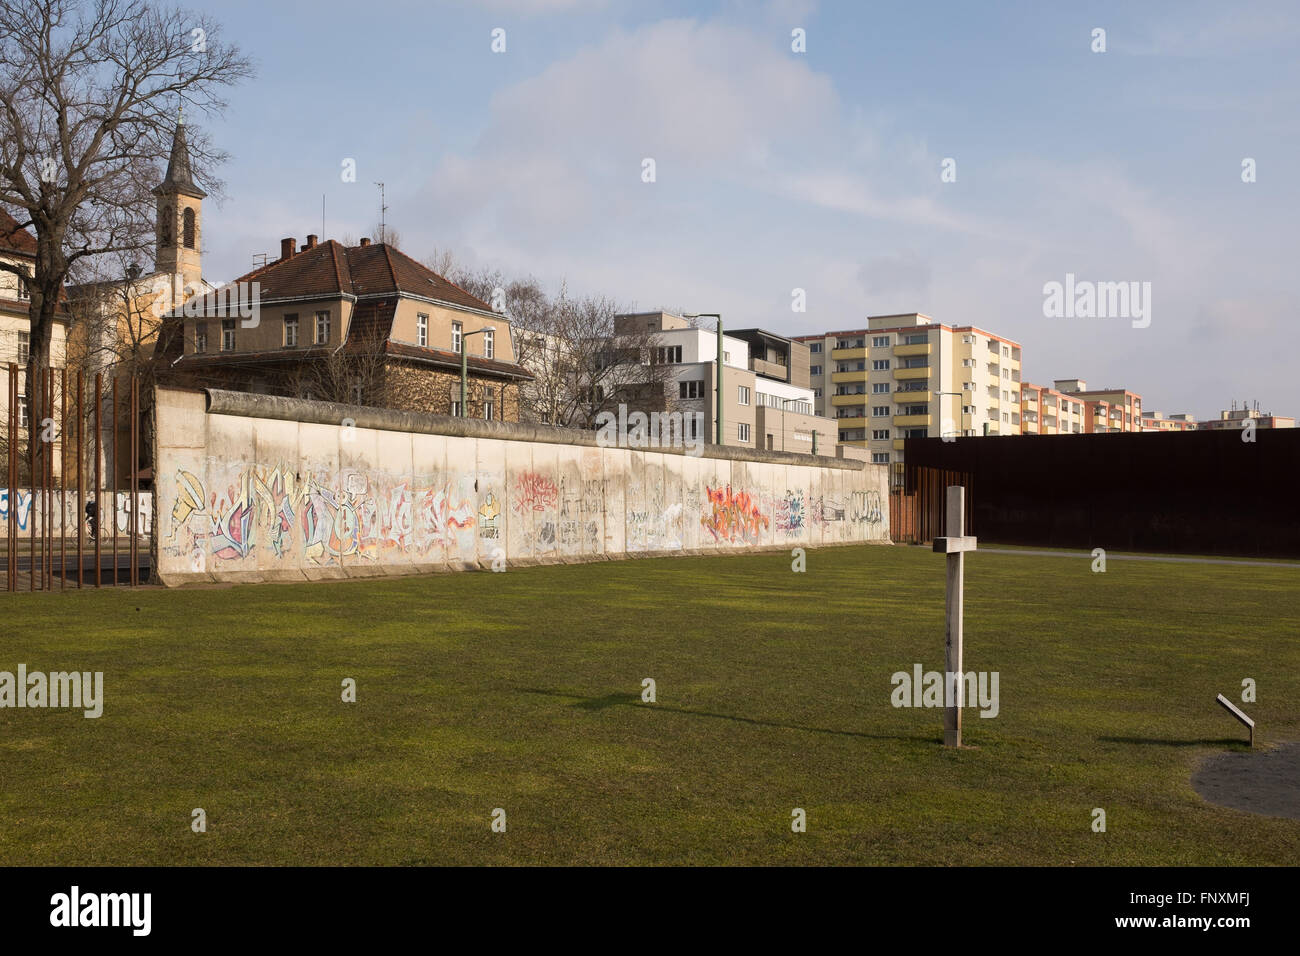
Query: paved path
{"type": "Point", "coordinates": [1111, 556]}
{"type": "Point", "coordinates": [1265, 782]}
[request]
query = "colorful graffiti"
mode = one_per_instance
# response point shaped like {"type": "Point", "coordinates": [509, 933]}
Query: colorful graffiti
{"type": "Point", "coordinates": [733, 517]}
{"type": "Point", "coordinates": [25, 506]}
{"type": "Point", "coordinates": [790, 513]}
{"type": "Point", "coordinates": [322, 524]}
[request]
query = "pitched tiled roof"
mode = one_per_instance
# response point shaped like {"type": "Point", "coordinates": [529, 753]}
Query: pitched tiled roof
{"type": "Point", "coordinates": [330, 269]}
{"type": "Point", "coordinates": [14, 238]}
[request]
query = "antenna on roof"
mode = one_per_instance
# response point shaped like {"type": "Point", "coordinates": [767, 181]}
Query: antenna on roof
{"type": "Point", "coordinates": [383, 210]}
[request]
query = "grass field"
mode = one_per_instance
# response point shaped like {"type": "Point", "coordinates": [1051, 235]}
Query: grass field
{"type": "Point", "coordinates": [522, 691]}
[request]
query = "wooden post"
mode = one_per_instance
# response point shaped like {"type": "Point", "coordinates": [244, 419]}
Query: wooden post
{"type": "Point", "coordinates": [954, 545]}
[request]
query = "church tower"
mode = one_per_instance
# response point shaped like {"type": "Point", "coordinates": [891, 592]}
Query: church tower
{"type": "Point", "coordinates": [180, 218]}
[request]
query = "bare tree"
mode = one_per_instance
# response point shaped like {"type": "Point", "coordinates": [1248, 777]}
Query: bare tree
{"type": "Point", "coordinates": [355, 373]}
{"type": "Point", "coordinates": [88, 97]}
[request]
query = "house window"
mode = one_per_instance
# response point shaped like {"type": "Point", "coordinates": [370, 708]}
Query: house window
{"type": "Point", "coordinates": [187, 229]}
{"type": "Point", "coordinates": [227, 335]}
{"type": "Point", "coordinates": [670, 355]}
{"type": "Point", "coordinates": [23, 291]}
{"type": "Point", "coordinates": [455, 408]}
{"type": "Point", "coordinates": [457, 337]}
{"type": "Point", "coordinates": [879, 388]}
{"type": "Point", "coordinates": [742, 395]}
{"type": "Point", "coordinates": [322, 328]}
{"type": "Point", "coordinates": [879, 411]}
{"type": "Point", "coordinates": [880, 458]}
{"type": "Point", "coordinates": [742, 432]}
{"type": "Point", "coordinates": [291, 330]}
{"type": "Point", "coordinates": [489, 345]}
{"type": "Point", "coordinates": [880, 434]}
{"type": "Point", "coordinates": [24, 347]}
{"type": "Point", "coordinates": [880, 342]}
{"type": "Point", "coordinates": [201, 337]}
{"type": "Point", "coordinates": [880, 365]}
{"type": "Point", "coordinates": [489, 406]}
{"type": "Point", "coordinates": [22, 411]}
{"type": "Point", "coordinates": [815, 348]}
{"type": "Point", "coordinates": [358, 393]}
{"type": "Point", "coordinates": [422, 330]}
{"type": "Point", "coordinates": [815, 370]}
{"type": "Point", "coordinates": [691, 389]}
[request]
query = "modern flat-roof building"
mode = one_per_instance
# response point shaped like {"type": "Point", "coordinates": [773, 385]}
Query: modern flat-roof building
{"type": "Point", "coordinates": [1048, 411]}
{"type": "Point", "coordinates": [1160, 422]}
{"type": "Point", "coordinates": [767, 401]}
{"type": "Point", "coordinates": [906, 376]}
{"type": "Point", "coordinates": [1236, 418]}
{"type": "Point", "coordinates": [1106, 410]}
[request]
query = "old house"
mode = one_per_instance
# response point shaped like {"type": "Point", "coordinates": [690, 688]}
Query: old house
{"type": "Point", "coordinates": [364, 325]}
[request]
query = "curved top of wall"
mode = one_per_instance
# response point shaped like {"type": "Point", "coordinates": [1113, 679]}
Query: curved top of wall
{"type": "Point", "coordinates": [247, 405]}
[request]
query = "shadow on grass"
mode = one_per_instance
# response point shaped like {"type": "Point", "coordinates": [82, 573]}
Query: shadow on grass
{"type": "Point", "coordinates": [631, 699]}
{"type": "Point", "coordinates": [1164, 742]}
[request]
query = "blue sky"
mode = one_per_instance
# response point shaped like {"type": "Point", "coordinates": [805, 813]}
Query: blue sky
{"type": "Point", "coordinates": [778, 170]}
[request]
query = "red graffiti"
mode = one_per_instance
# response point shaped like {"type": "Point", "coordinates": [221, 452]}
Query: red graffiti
{"type": "Point", "coordinates": [535, 492]}
{"type": "Point", "coordinates": [733, 516]}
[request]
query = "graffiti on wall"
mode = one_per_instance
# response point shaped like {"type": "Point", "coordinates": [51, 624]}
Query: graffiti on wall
{"type": "Point", "coordinates": [305, 518]}
{"type": "Point", "coordinates": [864, 507]}
{"type": "Point", "coordinates": [733, 517]}
{"type": "Point", "coordinates": [790, 513]}
{"type": "Point", "coordinates": [25, 506]}
{"type": "Point", "coordinates": [534, 492]}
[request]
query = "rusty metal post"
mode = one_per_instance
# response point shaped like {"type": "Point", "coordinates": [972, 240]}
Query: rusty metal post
{"type": "Point", "coordinates": [135, 481]}
{"type": "Point", "coordinates": [114, 470]}
{"type": "Point", "coordinates": [11, 526]}
{"type": "Point", "coordinates": [63, 480]}
{"type": "Point", "coordinates": [31, 481]}
{"type": "Point", "coordinates": [81, 470]}
{"type": "Point", "coordinates": [99, 497]}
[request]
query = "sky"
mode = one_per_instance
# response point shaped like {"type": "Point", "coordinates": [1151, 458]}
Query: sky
{"type": "Point", "coordinates": [819, 170]}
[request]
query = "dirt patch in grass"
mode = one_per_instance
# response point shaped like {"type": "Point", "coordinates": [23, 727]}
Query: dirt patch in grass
{"type": "Point", "coordinates": [1267, 783]}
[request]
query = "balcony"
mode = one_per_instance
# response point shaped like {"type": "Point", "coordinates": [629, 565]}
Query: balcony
{"type": "Point", "coordinates": [845, 355]}
{"type": "Point", "coordinates": [847, 378]}
{"type": "Point", "coordinates": [852, 421]}
{"type": "Point", "coordinates": [898, 444]}
{"type": "Point", "coordinates": [860, 398]}
{"type": "Point", "coordinates": [905, 374]}
{"type": "Point", "coordinates": [922, 348]}
{"type": "Point", "coordinates": [912, 421]}
{"type": "Point", "coordinates": [907, 396]}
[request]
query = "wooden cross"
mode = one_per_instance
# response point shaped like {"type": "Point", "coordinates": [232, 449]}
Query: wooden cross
{"type": "Point", "coordinates": [955, 545]}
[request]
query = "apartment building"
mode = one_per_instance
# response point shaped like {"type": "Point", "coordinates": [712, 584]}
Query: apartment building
{"type": "Point", "coordinates": [767, 402]}
{"type": "Point", "coordinates": [1235, 418]}
{"type": "Point", "coordinates": [906, 376]}
{"type": "Point", "coordinates": [1159, 422]}
{"type": "Point", "coordinates": [1106, 410]}
{"type": "Point", "coordinates": [1047, 411]}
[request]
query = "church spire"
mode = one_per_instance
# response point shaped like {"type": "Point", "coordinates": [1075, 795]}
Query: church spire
{"type": "Point", "coordinates": [180, 177]}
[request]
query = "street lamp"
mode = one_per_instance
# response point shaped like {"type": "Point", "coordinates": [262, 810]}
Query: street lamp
{"type": "Point", "coordinates": [464, 367]}
{"type": "Point", "coordinates": [718, 400]}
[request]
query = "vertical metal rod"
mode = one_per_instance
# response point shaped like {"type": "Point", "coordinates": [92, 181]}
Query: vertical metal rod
{"type": "Point", "coordinates": [11, 526]}
{"type": "Point", "coordinates": [31, 481]}
{"type": "Point", "coordinates": [63, 480]}
{"type": "Point", "coordinates": [81, 470]}
{"type": "Point", "coordinates": [135, 481]}
{"type": "Point", "coordinates": [114, 471]}
{"type": "Point", "coordinates": [99, 496]}
{"type": "Point", "coordinates": [49, 481]}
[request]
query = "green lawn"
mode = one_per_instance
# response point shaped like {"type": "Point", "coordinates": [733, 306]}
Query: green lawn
{"type": "Point", "coordinates": [522, 691]}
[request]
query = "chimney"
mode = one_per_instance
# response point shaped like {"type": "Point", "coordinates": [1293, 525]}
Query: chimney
{"type": "Point", "coordinates": [365, 241]}
{"type": "Point", "coordinates": [287, 248]}
{"type": "Point", "coordinates": [311, 241]}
